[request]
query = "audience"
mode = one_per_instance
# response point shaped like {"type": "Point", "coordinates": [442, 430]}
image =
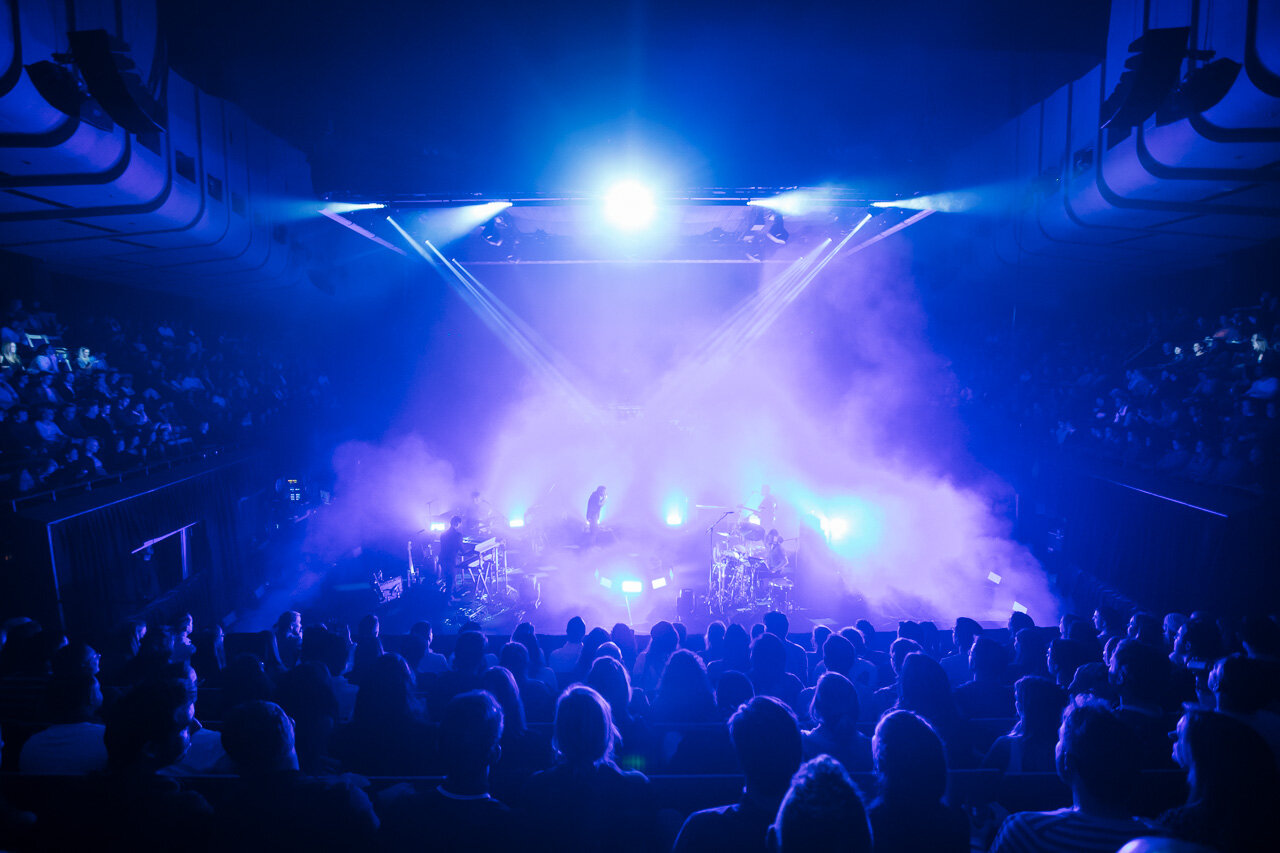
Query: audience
{"type": "Point", "coordinates": [1161, 391]}
{"type": "Point", "coordinates": [129, 392]}
{"type": "Point", "coordinates": [575, 784]}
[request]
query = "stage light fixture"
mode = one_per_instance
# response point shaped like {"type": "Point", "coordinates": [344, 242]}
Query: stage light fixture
{"type": "Point", "coordinates": [993, 577]}
{"type": "Point", "coordinates": [1019, 608]}
{"type": "Point", "coordinates": [438, 526]}
{"type": "Point", "coordinates": [632, 587]}
{"type": "Point", "coordinates": [674, 519]}
{"type": "Point", "coordinates": [517, 521]}
{"type": "Point", "coordinates": [777, 231]}
{"type": "Point", "coordinates": [630, 206]}
{"type": "Point", "coordinates": [659, 583]}
{"type": "Point", "coordinates": [606, 583]}
{"type": "Point", "coordinates": [492, 231]}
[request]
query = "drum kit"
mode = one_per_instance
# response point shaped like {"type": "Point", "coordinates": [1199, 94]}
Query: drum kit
{"type": "Point", "coordinates": [741, 579]}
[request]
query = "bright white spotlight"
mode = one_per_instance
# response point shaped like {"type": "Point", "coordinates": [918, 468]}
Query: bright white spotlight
{"type": "Point", "coordinates": [340, 207]}
{"type": "Point", "coordinates": [517, 521]}
{"type": "Point", "coordinates": [630, 206]}
{"type": "Point", "coordinates": [674, 518]}
{"type": "Point", "coordinates": [837, 528]}
{"type": "Point", "coordinates": [993, 577]}
{"type": "Point", "coordinates": [438, 526]}
{"type": "Point", "coordinates": [1019, 608]}
{"type": "Point", "coordinates": [632, 587]}
{"type": "Point", "coordinates": [659, 583]}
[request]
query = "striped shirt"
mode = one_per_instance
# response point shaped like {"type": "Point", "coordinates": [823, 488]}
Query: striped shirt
{"type": "Point", "coordinates": [1065, 830]}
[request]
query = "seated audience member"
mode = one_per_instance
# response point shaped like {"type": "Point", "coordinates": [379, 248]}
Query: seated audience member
{"type": "Point", "coordinates": [713, 643]}
{"type": "Point", "coordinates": [1065, 657]}
{"type": "Point", "coordinates": [776, 623]}
{"type": "Point", "coordinates": [923, 690]}
{"type": "Point", "coordinates": [987, 694]}
{"type": "Point", "coordinates": [591, 644]}
{"type": "Point", "coordinates": [1248, 689]}
{"type": "Point", "coordinates": [1029, 747]}
{"type": "Point", "coordinates": [183, 648]}
{"type": "Point", "coordinates": [821, 811]}
{"type": "Point", "coordinates": [306, 695]}
{"type": "Point", "coordinates": [956, 664]}
{"type": "Point", "coordinates": [887, 695]}
{"type": "Point", "coordinates": [274, 806]}
{"type": "Point", "coordinates": [609, 678]}
{"type": "Point", "coordinates": [1146, 628]}
{"type": "Point", "coordinates": [835, 710]}
{"type": "Point", "coordinates": [288, 631]}
{"type": "Point", "coordinates": [1234, 785]}
{"type": "Point", "coordinates": [769, 675]}
{"type": "Point", "coordinates": [155, 651]}
{"type": "Point", "coordinates": [817, 638]}
{"type": "Point", "coordinates": [431, 663]}
{"type": "Point", "coordinates": [1140, 674]}
{"type": "Point", "coordinates": [1099, 760]}
{"type": "Point", "coordinates": [737, 653]}
{"type": "Point", "coordinates": [684, 693]}
{"type": "Point", "coordinates": [766, 740]}
{"type": "Point", "coordinates": [586, 802]}
{"type": "Point", "coordinates": [210, 657]}
{"type": "Point", "coordinates": [387, 735]}
{"type": "Point", "coordinates": [563, 660]}
{"type": "Point", "coordinates": [1260, 637]}
{"type": "Point", "coordinates": [911, 768]}
{"type": "Point", "coordinates": [840, 655]}
{"type": "Point", "coordinates": [538, 669]}
{"type": "Point", "coordinates": [464, 673]}
{"type": "Point", "coordinates": [331, 649]}
{"type": "Point", "coordinates": [524, 752]}
{"type": "Point", "coordinates": [73, 744]}
{"type": "Point", "coordinates": [368, 648]}
{"type": "Point", "coordinates": [1030, 646]}
{"type": "Point", "coordinates": [538, 701]}
{"type": "Point", "coordinates": [245, 680]}
{"type": "Point", "coordinates": [460, 813]}
{"type": "Point", "coordinates": [625, 639]}
{"type": "Point", "coordinates": [663, 642]}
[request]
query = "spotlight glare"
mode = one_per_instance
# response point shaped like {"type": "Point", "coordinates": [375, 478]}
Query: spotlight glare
{"type": "Point", "coordinates": [341, 207]}
{"type": "Point", "coordinates": [517, 521]}
{"type": "Point", "coordinates": [837, 528]}
{"type": "Point", "coordinates": [629, 205]}
{"type": "Point", "coordinates": [606, 583]}
{"type": "Point", "coordinates": [632, 587]}
{"type": "Point", "coordinates": [438, 526]}
{"type": "Point", "coordinates": [659, 583]}
{"type": "Point", "coordinates": [674, 519]}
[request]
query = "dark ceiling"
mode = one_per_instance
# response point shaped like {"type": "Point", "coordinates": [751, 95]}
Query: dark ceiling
{"type": "Point", "coordinates": [404, 96]}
